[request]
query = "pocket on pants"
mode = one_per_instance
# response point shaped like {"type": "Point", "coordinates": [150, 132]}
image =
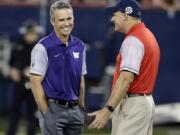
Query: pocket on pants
{"type": "Point", "coordinates": [78, 115]}
{"type": "Point", "coordinates": [50, 123]}
{"type": "Point", "coordinates": [41, 119]}
{"type": "Point", "coordinates": [82, 111]}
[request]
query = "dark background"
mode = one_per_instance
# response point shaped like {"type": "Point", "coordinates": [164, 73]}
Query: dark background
{"type": "Point", "coordinates": [93, 27]}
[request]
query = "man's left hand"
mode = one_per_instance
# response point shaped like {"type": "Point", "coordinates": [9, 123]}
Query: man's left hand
{"type": "Point", "coordinates": [101, 118]}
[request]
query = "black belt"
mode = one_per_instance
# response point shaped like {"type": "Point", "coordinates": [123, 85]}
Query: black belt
{"type": "Point", "coordinates": [137, 94]}
{"type": "Point", "coordinates": [68, 104]}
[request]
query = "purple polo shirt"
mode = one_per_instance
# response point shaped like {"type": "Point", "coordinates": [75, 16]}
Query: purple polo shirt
{"type": "Point", "coordinates": [61, 65]}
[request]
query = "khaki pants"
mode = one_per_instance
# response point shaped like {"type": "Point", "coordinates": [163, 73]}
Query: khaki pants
{"type": "Point", "coordinates": [134, 116]}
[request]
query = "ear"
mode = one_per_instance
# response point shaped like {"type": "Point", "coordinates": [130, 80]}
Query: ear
{"type": "Point", "coordinates": [125, 17]}
{"type": "Point", "coordinates": [52, 21]}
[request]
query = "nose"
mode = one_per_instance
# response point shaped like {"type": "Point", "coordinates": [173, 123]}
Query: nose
{"type": "Point", "coordinates": [66, 22]}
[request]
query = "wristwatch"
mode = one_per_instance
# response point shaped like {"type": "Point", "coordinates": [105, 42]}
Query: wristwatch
{"type": "Point", "coordinates": [110, 108]}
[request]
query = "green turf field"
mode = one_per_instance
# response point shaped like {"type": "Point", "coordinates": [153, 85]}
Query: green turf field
{"type": "Point", "coordinates": [159, 131]}
{"type": "Point", "coordinates": [165, 130]}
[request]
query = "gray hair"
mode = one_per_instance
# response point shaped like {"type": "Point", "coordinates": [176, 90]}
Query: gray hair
{"type": "Point", "coordinates": [60, 4]}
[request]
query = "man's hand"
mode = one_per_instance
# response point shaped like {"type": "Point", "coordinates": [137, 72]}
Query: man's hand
{"type": "Point", "coordinates": [101, 118]}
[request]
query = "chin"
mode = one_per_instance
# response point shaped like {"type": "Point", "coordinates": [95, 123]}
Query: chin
{"type": "Point", "coordinates": [66, 32]}
{"type": "Point", "coordinates": [115, 29]}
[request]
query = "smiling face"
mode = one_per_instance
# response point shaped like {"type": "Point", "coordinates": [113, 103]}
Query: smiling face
{"type": "Point", "coordinates": [63, 21]}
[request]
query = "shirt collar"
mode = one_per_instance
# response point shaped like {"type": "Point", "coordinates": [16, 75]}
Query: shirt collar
{"type": "Point", "coordinates": [58, 40]}
{"type": "Point", "coordinates": [136, 26]}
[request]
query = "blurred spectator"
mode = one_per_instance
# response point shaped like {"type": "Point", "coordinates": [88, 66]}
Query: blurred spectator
{"type": "Point", "coordinates": [77, 2]}
{"type": "Point", "coordinates": [89, 3]}
{"type": "Point", "coordinates": [168, 5]}
{"type": "Point", "coordinates": [53, 1]}
{"type": "Point", "coordinates": [96, 2]}
{"type": "Point", "coordinates": [146, 4]}
{"type": "Point", "coordinates": [19, 2]}
{"type": "Point", "coordinates": [20, 62]}
{"type": "Point", "coordinates": [5, 50]}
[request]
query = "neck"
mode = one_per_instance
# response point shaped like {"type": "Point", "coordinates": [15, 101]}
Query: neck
{"type": "Point", "coordinates": [63, 38]}
{"type": "Point", "coordinates": [131, 23]}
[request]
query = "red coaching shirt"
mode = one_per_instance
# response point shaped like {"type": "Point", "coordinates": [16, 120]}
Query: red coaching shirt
{"type": "Point", "coordinates": [140, 55]}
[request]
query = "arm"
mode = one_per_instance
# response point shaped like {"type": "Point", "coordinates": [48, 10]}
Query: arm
{"type": "Point", "coordinates": [82, 85]}
{"type": "Point", "coordinates": [39, 62]}
{"type": "Point", "coordinates": [38, 92]}
{"type": "Point", "coordinates": [132, 52]}
{"type": "Point", "coordinates": [82, 92]}
{"type": "Point", "coordinates": [120, 89]}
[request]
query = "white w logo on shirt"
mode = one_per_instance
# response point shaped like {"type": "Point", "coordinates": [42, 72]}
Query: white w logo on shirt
{"type": "Point", "coordinates": [76, 55]}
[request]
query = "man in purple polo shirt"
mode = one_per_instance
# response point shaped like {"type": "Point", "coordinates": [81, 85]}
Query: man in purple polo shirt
{"type": "Point", "coordinates": [57, 75]}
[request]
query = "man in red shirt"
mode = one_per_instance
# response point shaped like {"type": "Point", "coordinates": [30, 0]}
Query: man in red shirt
{"type": "Point", "coordinates": [131, 103]}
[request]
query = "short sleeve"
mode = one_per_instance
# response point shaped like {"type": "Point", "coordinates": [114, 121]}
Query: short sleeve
{"type": "Point", "coordinates": [132, 52]}
{"type": "Point", "coordinates": [39, 60]}
{"type": "Point", "coordinates": [84, 69]}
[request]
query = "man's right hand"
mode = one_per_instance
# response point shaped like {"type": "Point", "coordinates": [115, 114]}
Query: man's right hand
{"type": "Point", "coordinates": [43, 109]}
